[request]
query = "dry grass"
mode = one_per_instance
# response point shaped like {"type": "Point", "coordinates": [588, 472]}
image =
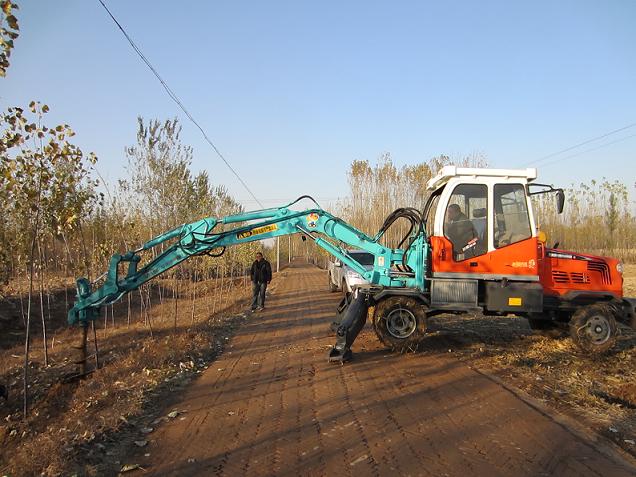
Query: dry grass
{"type": "Point", "coordinates": [69, 423]}
{"type": "Point", "coordinates": [629, 283]}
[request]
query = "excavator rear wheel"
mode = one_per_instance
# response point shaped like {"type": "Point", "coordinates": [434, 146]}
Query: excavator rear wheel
{"type": "Point", "coordinates": [593, 328]}
{"type": "Point", "coordinates": [400, 322]}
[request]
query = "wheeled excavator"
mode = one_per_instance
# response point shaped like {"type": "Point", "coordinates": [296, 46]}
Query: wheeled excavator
{"type": "Point", "coordinates": [473, 248]}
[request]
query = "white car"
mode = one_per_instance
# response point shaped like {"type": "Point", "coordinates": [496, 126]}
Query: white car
{"type": "Point", "coordinates": [345, 279]}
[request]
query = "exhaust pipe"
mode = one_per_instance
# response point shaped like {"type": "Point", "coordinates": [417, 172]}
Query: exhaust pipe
{"type": "Point", "coordinates": [352, 323]}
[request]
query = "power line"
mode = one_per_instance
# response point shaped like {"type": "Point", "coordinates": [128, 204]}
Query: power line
{"type": "Point", "coordinates": [579, 144]}
{"type": "Point", "coordinates": [588, 150]}
{"type": "Point", "coordinates": [176, 99]}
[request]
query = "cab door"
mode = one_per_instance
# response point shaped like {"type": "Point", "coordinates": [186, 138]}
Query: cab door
{"type": "Point", "coordinates": [461, 230]}
{"type": "Point", "coordinates": [484, 230]}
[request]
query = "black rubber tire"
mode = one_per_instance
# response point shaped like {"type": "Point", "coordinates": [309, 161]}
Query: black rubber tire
{"type": "Point", "coordinates": [382, 328]}
{"type": "Point", "coordinates": [602, 337]}
{"type": "Point", "coordinates": [332, 286]}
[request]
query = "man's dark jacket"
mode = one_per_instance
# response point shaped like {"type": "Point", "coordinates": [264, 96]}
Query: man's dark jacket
{"type": "Point", "coordinates": [261, 272]}
{"type": "Point", "coordinates": [460, 231]}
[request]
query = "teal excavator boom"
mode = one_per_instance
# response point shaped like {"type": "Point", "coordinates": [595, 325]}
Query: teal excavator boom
{"type": "Point", "coordinates": [402, 267]}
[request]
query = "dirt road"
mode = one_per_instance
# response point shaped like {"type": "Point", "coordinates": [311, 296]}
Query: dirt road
{"type": "Point", "coordinates": [273, 405]}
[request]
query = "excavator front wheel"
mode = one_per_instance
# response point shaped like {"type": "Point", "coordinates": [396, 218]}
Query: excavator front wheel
{"type": "Point", "coordinates": [593, 328]}
{"type": "Point", "coordinates": [400, 322]}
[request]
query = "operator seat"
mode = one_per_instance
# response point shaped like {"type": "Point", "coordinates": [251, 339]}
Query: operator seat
{"type": "Point", "coordinates": [480, 222]}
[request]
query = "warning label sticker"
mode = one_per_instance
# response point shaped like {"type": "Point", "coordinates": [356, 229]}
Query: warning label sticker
{"type": "Point", "coordinates": [257, 231]}
{"type": "Point", "coordinates": [312, 219]}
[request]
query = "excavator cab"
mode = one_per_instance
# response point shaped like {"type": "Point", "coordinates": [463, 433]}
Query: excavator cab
{"type": "Point", "coordinates": [483, 225]}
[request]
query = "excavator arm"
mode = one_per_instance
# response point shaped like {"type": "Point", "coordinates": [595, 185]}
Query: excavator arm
{"type": "Point", "coordinates": [400, 267]}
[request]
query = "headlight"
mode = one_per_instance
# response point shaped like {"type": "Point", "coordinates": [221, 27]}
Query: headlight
{"type": "Point", "coordinates": [619, 268]}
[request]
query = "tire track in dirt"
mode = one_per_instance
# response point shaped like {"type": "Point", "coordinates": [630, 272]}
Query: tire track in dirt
{"type": "Point", "coordinates": [272, 405]}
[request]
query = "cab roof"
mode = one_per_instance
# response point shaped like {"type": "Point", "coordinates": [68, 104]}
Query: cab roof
{"type": "Point", "coordinates": [449, 172]}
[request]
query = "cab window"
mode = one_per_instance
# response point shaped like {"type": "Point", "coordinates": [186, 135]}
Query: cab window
{"type": "Point", "coordinates": [465, 222]}
{"type": "Point", "coordinates": [512, 222]}
{"type": "Point", "coordinates": [431, 212]}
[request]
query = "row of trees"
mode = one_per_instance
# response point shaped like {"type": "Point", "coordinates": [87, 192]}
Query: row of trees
{"type": "Point", "coordinates": [62, 221]}
{"type": "Point", "coordinates": [598, 218]}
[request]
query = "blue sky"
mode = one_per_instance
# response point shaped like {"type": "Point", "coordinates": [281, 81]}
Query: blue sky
{"type": "Point", "coordinates": [292, 92]}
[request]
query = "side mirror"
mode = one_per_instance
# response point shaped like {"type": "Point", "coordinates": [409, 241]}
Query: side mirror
{"type": "Point", "coordinates": [560, 200]}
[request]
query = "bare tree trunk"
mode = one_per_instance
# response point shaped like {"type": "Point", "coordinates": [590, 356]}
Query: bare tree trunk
{"type": "Point", "coordinates": [218, 295]}
{"type": "Point", "coordinates": [129, 310]}
{"type": "Point", "coordinates": [41, 286]}
{"type": "Point", "coordinates": [194, 295]}
{"type": "Point", "coordinates": [229, 286]}
{"type": "Point", "coordinates": [141, 306]}
{"type": "Point", "coordinates": [175, 297]}
{"type": "Point", "coordinates": [68, 262]}
{"type": "Point", "coordinates": [48, 303]}
{"type": "Point", "coordinates": [27, 337]}
{"type": "Point", "coordinates": [207, 292]}
{"type": "Point", "coordinates": [95, 342]}
{"type": "Point", "coordinates": [22, 311]}
{"type": "Point", "coordinates": [148, 310]}
{"type": "Point", "coordinates": [27, 333]}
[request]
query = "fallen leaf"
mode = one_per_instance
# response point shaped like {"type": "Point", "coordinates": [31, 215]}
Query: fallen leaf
{"type": "Point", "coordinates": [129, 467]}
{"type": "Point", "coordinates": [362, 458]}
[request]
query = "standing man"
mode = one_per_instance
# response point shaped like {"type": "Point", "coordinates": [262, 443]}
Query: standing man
{"type": "Point", "coordinates": [261, 275]}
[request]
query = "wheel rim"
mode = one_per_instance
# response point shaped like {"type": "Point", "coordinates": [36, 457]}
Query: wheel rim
{"type": "Point", "coordinates": [401, 323]}
{"type": "Point", "coordinates": [598, 330]}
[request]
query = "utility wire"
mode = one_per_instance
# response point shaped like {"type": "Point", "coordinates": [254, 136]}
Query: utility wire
{"type": "Point", "coordinates": [176, 99]}
{"type": "Point", "coordinates": [551, 163]}
{"type": "Point", "coordinates": [579, 144]}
